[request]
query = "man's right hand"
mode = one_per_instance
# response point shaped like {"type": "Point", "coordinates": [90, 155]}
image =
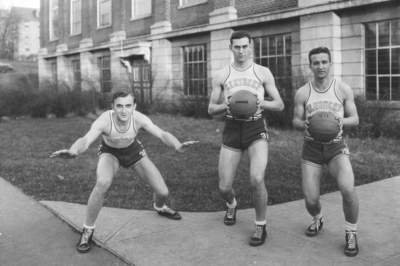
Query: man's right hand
{"type": "Point", "coordinates": [64, 154]}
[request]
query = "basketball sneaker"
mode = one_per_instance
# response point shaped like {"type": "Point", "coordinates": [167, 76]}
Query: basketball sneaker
{"type": "Point", "coordinates": [351, 249]}
{"type": "Point", "coordinates": [169, 213]}
{"type": "Point", "coordinates": [314, 227]}
{"type": "Point", "coordinates": [230, 216]}
{"type": "Point", "coordinates": [259, 236]}
{"type": "Point", "coordinates": [84, 244]}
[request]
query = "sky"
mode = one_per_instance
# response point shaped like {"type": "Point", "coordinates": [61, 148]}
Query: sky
{"type": "Point", "coordinates": [6, 4]}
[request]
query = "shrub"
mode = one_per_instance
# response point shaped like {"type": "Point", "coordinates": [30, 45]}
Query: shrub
{"type": "Point", "coordinates": [376, 119]}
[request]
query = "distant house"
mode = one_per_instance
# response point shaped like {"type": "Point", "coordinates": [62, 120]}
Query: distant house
{"type": "Point", "coordinates": [170, 44]}
{"type": "Point", "coordinates": [27, 36]}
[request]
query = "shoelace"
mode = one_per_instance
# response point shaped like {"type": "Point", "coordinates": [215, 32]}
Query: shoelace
{"type": "Point", "coordinates": [351, 240]}
{"type": "Point", "coordinates": [257, 232]}
{"type": "Point", "coordinates": [86, 234]}
{"type": "Point", "coordinates": [169, 210]}
{"type": "Point", "coordinates": [314, 224]}
{"type": "Point", "coordinates": [231, 213]}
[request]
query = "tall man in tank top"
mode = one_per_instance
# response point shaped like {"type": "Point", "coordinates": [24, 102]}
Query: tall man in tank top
{"type": "Point", "coordinates": [240, 135]}
{"type": "Point", "coordinates": [119, 128]}
{"type": "Point", "coordinates": [324, 93]}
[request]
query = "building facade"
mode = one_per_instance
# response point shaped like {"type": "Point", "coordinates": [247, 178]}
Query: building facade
{"type": "Point", "coordinates": [27, 38]}
{"type": "Point", "coordinates": [171, 49]}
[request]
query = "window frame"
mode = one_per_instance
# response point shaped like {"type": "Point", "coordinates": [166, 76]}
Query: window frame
{"type": "Point", "coordinates": [378, 77]}
{"type": "Point", "coordinates": [99, 14]}
{"type": "Point", "coordinates": [53, 69]}
{"type": "Point", "coordinates": [53, 10]}
{"type": "Point", "coordinates": [283, 82]}
{"type": "Point", "coordinates": [134, 4]}
{"type": "Point", "coordinates": [74, 17]}
{"type": "Point", "coordinates": [189, 88]}
{"type": "Point", "coordinates": [185, 3]}
{"type": "Point", "coordinates": [105, 82]}
{"type": "Point", "coordinates": [77, 74]}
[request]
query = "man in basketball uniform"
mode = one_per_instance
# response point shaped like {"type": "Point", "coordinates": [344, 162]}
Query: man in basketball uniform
{"type": "Point", "coordinates": [119, 128]}
{"type": "Point", "coordinates": [325, 93]}
{"type": "Point", "coordinates": [244, 134]}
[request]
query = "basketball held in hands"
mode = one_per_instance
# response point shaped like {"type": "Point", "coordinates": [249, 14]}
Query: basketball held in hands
{"type": "Point", "coordinates": [243, 104]}
{"type": "Point", "coordinates": [323, 126]}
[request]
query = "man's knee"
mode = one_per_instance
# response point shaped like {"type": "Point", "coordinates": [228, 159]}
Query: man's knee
{"type": "Point", "coordinates": [257, 182]}
{"type": "Point", "coordinates": [102, 186]}
{"type": "Point", "coordinates": [349, 195]}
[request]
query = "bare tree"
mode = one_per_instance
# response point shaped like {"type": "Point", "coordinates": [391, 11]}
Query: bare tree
{"type": "Point", "coordinates": [8, 33]}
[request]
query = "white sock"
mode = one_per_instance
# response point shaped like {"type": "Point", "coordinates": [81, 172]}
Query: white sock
{"type": "Point", "coordinates": [88, 227]}
{"type": "Point", "coordinates": [261, 223]}
{"type": "Point", "coordinates": [351, 227]}
{"type": "Point", "coordinates": [318, 216]}
{"type": "Point", "coordinates": [158, 209]}
{"type": "Point", "coordinates": [233, 205]}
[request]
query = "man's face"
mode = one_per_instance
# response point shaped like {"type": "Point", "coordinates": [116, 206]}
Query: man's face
{"type": "Point", "coordinates": [124, 107]}
{"type": "Point", "coordinates": [241, 49]}
{"type": "Point", "coordinates": [320, 65]}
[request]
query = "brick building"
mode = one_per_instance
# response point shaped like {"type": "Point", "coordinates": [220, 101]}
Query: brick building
{"type": "Point", "coordinates": [175, 46]}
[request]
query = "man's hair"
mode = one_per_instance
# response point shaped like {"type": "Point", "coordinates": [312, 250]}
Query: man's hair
{"type": "Point", "coordinates": [319, 50]}
{"type": "Point", "coordinates": [239, 34]}
{"type": "Point", "coordinates": [123, 93]}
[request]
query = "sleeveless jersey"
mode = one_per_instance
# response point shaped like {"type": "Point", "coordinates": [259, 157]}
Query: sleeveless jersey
{"type": "Point", "coordinates": [120, 139]}
{"type": "Point", "coordinates": [324, 101]}
{"type": "Point", "coordinates": [243, 80]}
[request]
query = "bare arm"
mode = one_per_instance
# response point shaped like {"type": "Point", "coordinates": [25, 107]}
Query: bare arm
{"type": "Point", "coordinates": [269, 84]}
{"type": "Point", "coordinates": [215, 108]}
{"type": "Point", "coordinates": [166, 137]}
{"type": "Point", "coordinates": [299, 120]}
{"type": "Point", "coordinates": [83, 143]}
{"type": "Point", "coordinates": [350, 110]}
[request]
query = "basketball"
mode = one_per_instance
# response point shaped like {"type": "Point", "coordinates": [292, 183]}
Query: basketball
{"type": "Point", "coordinates": [323, 126]}
{"type": "Point", "coordinates": [243, 104]}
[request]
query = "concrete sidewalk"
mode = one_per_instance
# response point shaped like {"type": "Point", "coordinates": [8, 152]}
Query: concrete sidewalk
{"type": "Point", "coordinates": [145, 238]}
{"type": "Point", "coordinates": [30, 235]}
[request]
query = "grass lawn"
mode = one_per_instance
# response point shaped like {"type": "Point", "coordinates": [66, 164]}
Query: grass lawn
{"type": "Point", "coordinates": [192, 177]}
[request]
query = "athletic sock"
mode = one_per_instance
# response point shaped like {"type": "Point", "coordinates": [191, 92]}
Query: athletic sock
{"type": "Point", "coordinates": [158, 209]}
{"type": "Point", "coordinates": [351, 227]}
{"type": "Point", "coordinates": [318, 216]}
{"type": "Point", "coordinates": [88, 227]}
{"type": "Point", "coordinates": [261, 223]}
{"type": "Point", "coordinates": [233, 205]}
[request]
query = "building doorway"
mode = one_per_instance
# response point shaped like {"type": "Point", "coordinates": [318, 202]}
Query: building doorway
{"type": "Point", "coordinates": [142, 80]}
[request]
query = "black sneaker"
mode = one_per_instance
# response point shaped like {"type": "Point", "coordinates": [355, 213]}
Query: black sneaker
{"type": "Point", "coordinates": [259, 236]}
{"type": "Point", "coordinates": [351, 249]}
{"type": "Point", "coordinates": [169, 213]}
{"type": "Point", "coordinates": [314, 227]}
{"type": "Point", "coordinates": [230, 216]}
{"type": "Point", "coordinates": [84, 244]}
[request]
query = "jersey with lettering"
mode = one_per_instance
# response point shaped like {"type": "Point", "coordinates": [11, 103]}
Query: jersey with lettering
{"type": "Point", "coordinates": [327, 100]}
{"type": "Point", "coordinates": [117, 138]}
{"type": "Point", "coordinates": [243, 80]}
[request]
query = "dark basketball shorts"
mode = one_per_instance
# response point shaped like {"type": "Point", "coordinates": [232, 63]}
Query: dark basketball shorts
{"type": "Point", "coordinates": [126, 157]}
{"type": "Point", "coordinates": [239, 135]}
{"type": "Point", "coordinates": [317, 154]}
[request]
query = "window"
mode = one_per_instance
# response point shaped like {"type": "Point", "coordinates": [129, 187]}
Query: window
{"type": "Point", "coordinates": [104, 13]}
{"type": "Point", "coordinates": [275, 52]}
{"type": "Point", "coordinates": [76, 68]}
{"type": "Point", "coordinates": [141, 8]}
{"type": "Point", "coordinates": [53, 19]}
{"type": "Point", "coordinates": [53, 67]}
{"type": "Point", "coordinates": [195, 70]}
{"type": "Point", "coordinates": [76, 17]}
{"type": "Point", "coordinates": [191, 2]}
{"type": "Point", "coordinates": [105, 74]}
{"type": "Point", "coordinates": [382, 61]}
